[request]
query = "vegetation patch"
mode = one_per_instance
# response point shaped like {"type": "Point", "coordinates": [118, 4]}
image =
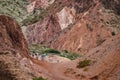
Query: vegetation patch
{"type": "Point", "coordinates": [35, 48]}
{"type": "Point", "coordinates": [15, 9]}
{"type": "Point", "coordinates": [83, 63]}
{"type": "Point", "coordinates": [18, 11]}
{"type": "Point", "coordinates": [69, 55]}
{"type": "Point", "coordinates": [40, 78]}
{"type": "Point", "coordinates": [52, 51]}
{"type": "Point", "coordinates": [38, 15]}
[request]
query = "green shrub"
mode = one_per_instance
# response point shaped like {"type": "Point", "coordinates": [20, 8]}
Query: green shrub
{"type": "Point", "coordinates": [70, 55]}
{"type": "Point", "coordinates": [52, 51]}
{"type": "Point", "coordinates": [83, 63]}
{"type": "Point", "coordinates": [65, 51]}
{"type": "Point", "coordinates": [40, 78]}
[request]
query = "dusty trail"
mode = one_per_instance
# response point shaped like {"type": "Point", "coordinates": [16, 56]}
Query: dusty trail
{"type": "Point", "coordinates": [54, 69]}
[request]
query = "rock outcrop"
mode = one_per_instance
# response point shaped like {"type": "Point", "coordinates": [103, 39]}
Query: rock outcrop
{"type": "Point", "coordinates": [43, 32]}
{"type": "Point", "coordinates": [66, 17]}
{"type": "Point", "coordinates": [107, 56]}
{"type": "Point", "coordinates": [104, 63]}
{"type": "Point", "coordinates": [82, 37]}
{"type": "Point", "coordinates": [15, 62]}
{"type": "Point", "coordinates": [13, 47]}
{"type": "Point", "coordinates": [91, 28]}
{"type": "Point", "coordinates": [88, 21]}
{"type": "Point", "coordinates": [81, 25]}
{"type": "Point", "coordinates": [11, 35]}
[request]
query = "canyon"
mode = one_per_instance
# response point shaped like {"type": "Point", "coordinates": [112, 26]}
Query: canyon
{"type": "Point", "coordinates": [80, 38]}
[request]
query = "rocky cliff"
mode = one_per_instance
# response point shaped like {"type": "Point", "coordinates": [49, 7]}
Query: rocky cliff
{"type": "Point", "coordinates": [13, 47]}
{"type": "Point", "coordinates": [91, 30]}
{"type": "Point", "coordinates": [15, 62]}
{"type": "Point", "coordinates": [103, 63]}
{"type": "Point", "coordinates": [84, 24]}
{"type": "Point", "coordinates": [11, 34]}
{"type": "Point", "coordinates": [89, 27]}
{"type": "Point", "coordinates": [43, 32]}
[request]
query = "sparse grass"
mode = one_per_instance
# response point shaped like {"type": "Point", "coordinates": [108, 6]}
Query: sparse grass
{"type": "Point", "coordinates": [34, 48]}
{"type": "Point", "coordinates": [38, 15]}
{"type": "Point", "coordinates": [40, 78]}
{"type": "Point", "coordinates": [83, 63]}
{"type": "Point", "coordinates": [14, 8]}
{"type": "Point", "coordinates": [17, 10]}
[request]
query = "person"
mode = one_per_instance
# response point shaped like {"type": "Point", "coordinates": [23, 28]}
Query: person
{"type": "Point", "coordinates": [43, 56]}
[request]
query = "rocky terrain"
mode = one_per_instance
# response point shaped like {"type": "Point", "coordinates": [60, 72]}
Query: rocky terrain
{"type": "Point", "coordinates": [12, 49]}
{"type": "Point", "coordinates": [80, 40]}
{"type": "Point", "coordinates": [78, 22]}
{"type": "Point", "coordinates": [50, 30]}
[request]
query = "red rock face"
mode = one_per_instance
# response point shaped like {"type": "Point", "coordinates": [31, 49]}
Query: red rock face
{"type": "Point", "coordinates": [11, 35]}
{"type": "Point", "coordinates": [105, 66]}
{"type": "Point", "coordinates": [15, 63]}
{"type": "Point", "coordinates": [43, 32]}
{"type": "Point", "coordinates": [13, 49]}
{"type": "Point", "coordinates": [81, 38]}
{"type": "Point", "coordinates": [88, 31]}
{"type": "Point", "coordinates": [104, 60]}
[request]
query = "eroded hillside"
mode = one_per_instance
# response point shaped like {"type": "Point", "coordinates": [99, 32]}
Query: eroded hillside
{"type": "Point", "coordinates": [78, 22]}
{"type": "Point", "coordinates": [55, 31]}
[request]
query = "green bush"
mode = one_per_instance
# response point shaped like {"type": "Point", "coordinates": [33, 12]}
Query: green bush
{"type": "Point", "coordinates": [65, 51]}
{"type": "Point", "coordinates": [83, 63]}
{"type": "Point", "coordinates": [52, 51]}
{"type": "Point", "coordinates": [40, 78]}
{"type": "Point", "coordinates": [70, 55]}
